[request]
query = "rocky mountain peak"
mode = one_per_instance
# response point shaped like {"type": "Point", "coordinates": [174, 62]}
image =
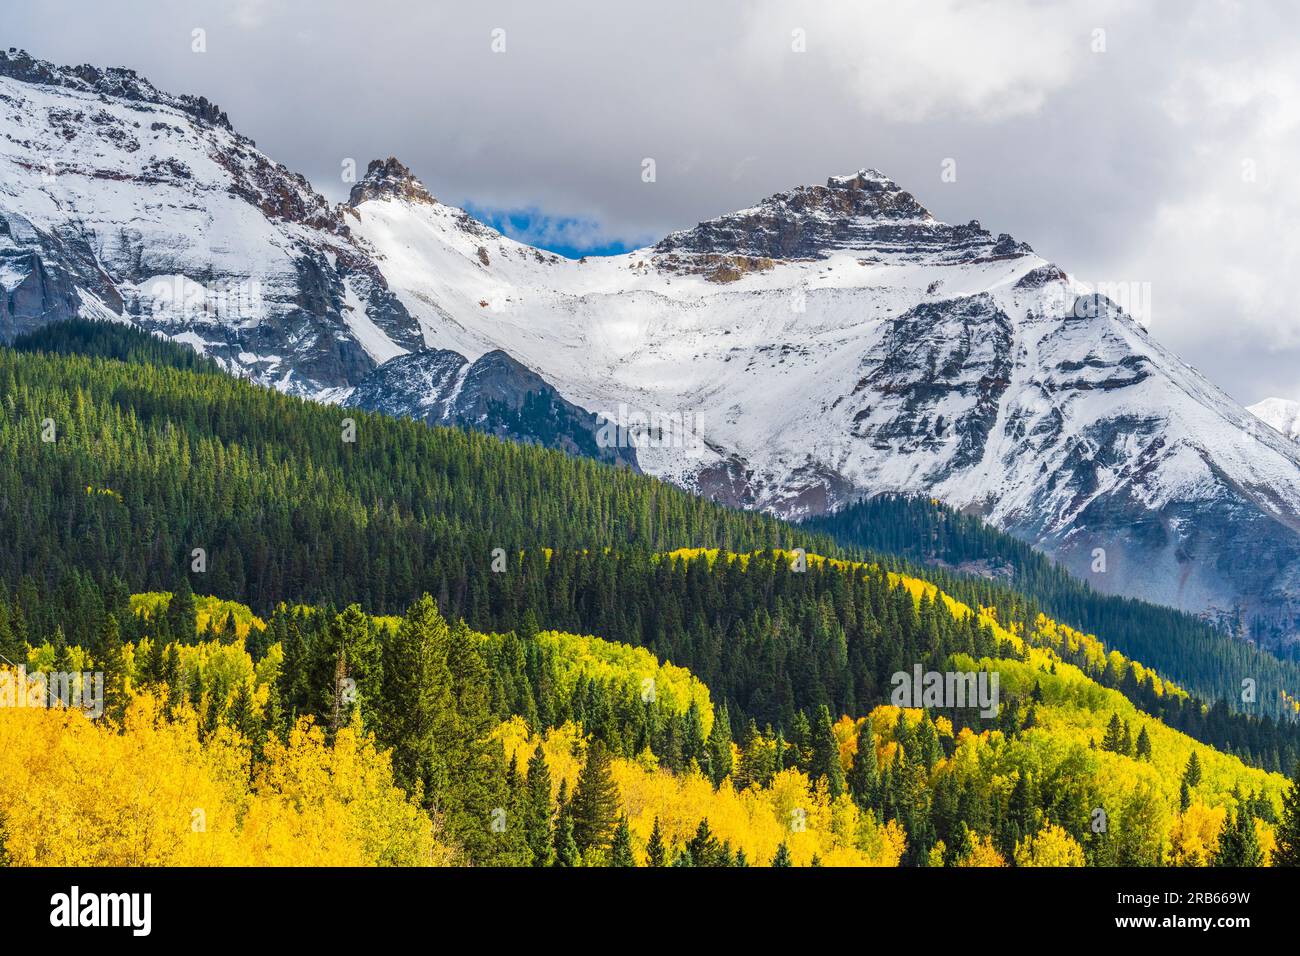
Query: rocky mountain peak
{"type": "Point", "coordinates": [389, 179]}
{"type": "Point", "coordinates": [864, 212]}
{"type": "Point", "coordinates": [117, 82]}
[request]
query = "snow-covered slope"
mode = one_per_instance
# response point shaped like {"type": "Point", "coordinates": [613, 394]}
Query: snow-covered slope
{"type": "Point", "coordinates": [119, 198]}
{"type": "Point", "coordinates": [120, 201]}
{"type": "Point", "coordinates": [837, 340]}
{"type": "Point", "coordinates": [1280, 414]}
{"type": "Point", "coordinates": [829, 342]}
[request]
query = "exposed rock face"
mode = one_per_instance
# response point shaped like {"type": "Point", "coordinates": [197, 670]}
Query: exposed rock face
{"type": "Point", "coordinates": [388, 178]}
{"type": "Point", "coordinates": [117, 199]}
{"type": "Point", "coordinates": [41, 277]}
{"type": "Point", "coordinates": [494, 394]}
{"type": "Point", "coordinates": [116, 82]}
{"type": "Point", "coordinates": [936, 379]}
{"type": "Point", "coordinates": [864, 212]}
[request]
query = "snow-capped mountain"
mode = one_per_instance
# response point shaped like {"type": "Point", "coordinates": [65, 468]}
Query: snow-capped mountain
{"type": "Point", "coordinates": [830, 342]}
{"type": "Point", "coordinates": [137, 203]}
{"type": "Point", "coordinates": [837, 340]}
{"type": "Point", "coordinates": [1280, 414]}
{"type": "Point", "coordinates": [120, 201]}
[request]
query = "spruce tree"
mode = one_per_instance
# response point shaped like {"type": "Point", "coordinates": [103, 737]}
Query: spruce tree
{"type": "Point", "coordinates": [782, 856]}
{"type": "Point", "coordinates": [110, 640]}
{"type": "Point", "coordinates": [418, 702]}
{"type": "Point", "coordinates": [475, 764]}
{"type": "Point", "coordinates": [1238, 842]}
{"type": "Point", "coordinates": [620, 854]}
{"type": "Point", "coordinates": [719, 746]}
{"type": "Point", "coordinates": [1287, 850]}
{"type": "Point", "coordinates": [595, 801]}
{"type": "Point", "coordinates": [826, 754]}
{"type": "Point", "coordinates": [566, 853]}
{"type": "Point", "coordinates": [538, 810]}
{"type": "Point", "coordinates": [1114, 737]}
{"type": "Point", "coordinates": [704, 847]}
{"type": "Point", "coordinates": [182, 620]}
{"type": "Point", "coordinates": [656, 854]}
{"type": "Point", "coordinates": [1143, 746]}
{"type": "Point", "coordinates": [693, 744]}
{"type": "Point", "coordinates": [864, 776]}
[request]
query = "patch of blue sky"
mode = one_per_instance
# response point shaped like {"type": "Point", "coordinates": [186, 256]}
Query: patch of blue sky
{"type": "Point", "coordinates": [569, 236]}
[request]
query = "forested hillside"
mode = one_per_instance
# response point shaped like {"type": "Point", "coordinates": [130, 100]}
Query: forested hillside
{"type": "Point", "coordinates": [541, 660]}
{"type": "Point", "coordinates": [1004, 571]}
{"type": "Point", "coordinates": [125, 469]}
{"type": "Point", "coordinates": [323, 737]}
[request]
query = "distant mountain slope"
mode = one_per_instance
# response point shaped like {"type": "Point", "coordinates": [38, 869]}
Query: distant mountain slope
{"type": "Point", "coordinates": [1280, 414]}
{"type": "Point", "coordinates": [494, 394]}
{"type": "Point", "coordinates": [959, 551]}
{"type": "Point", "coordinates": [832, 342]}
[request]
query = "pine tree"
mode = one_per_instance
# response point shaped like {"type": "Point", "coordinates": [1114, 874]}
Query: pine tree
{"type": "Point", "coordinates": [826, 753]}
{"type": "Point", "coordinates": [1143, 747]}
{"type": "Point", "coordinates": [621, 853]}
{"type": "Point", "coordinates": [1192, 775]}
{"type": "Point", "coordinates": [595, 801]}
{"type": "Point", "coordinates": [655, 852]}
{"type": "Point", "coordinates": [782, 856]}
{"type": "Point", "coordinates": [538, 810]}
{"type": "Point", "coordinates": [1287, 850]}
{"type": "Point", "coordinates": [566, 850]}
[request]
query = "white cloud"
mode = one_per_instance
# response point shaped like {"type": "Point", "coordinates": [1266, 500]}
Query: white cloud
{"type": "Point", "coordinates": [918, 61]}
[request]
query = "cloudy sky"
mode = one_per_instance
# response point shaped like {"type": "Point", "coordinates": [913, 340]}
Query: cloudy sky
{"type": "Point", "coordinates": [1152, 146]}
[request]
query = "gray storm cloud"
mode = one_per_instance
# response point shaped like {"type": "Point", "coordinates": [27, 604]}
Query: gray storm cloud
{"type": "Point", "coordinates": [1129, 145]}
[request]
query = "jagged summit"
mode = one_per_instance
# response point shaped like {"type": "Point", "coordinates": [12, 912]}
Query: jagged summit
{"type": "Point", "coordinates": [387, 179]}
{"type": "Point", "coordinates": [113, 81]}
{"type": "Point", "coordinates": [864, 211]}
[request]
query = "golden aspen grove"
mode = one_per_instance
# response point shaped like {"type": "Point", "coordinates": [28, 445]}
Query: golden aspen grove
{"type": "Point", "coordinates": [181, 779]}
{"type": "Point", "coordinates": [431, 647]}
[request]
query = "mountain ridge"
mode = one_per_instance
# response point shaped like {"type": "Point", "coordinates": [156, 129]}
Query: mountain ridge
{"type": "Point", "coordinates": [832, 342]}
